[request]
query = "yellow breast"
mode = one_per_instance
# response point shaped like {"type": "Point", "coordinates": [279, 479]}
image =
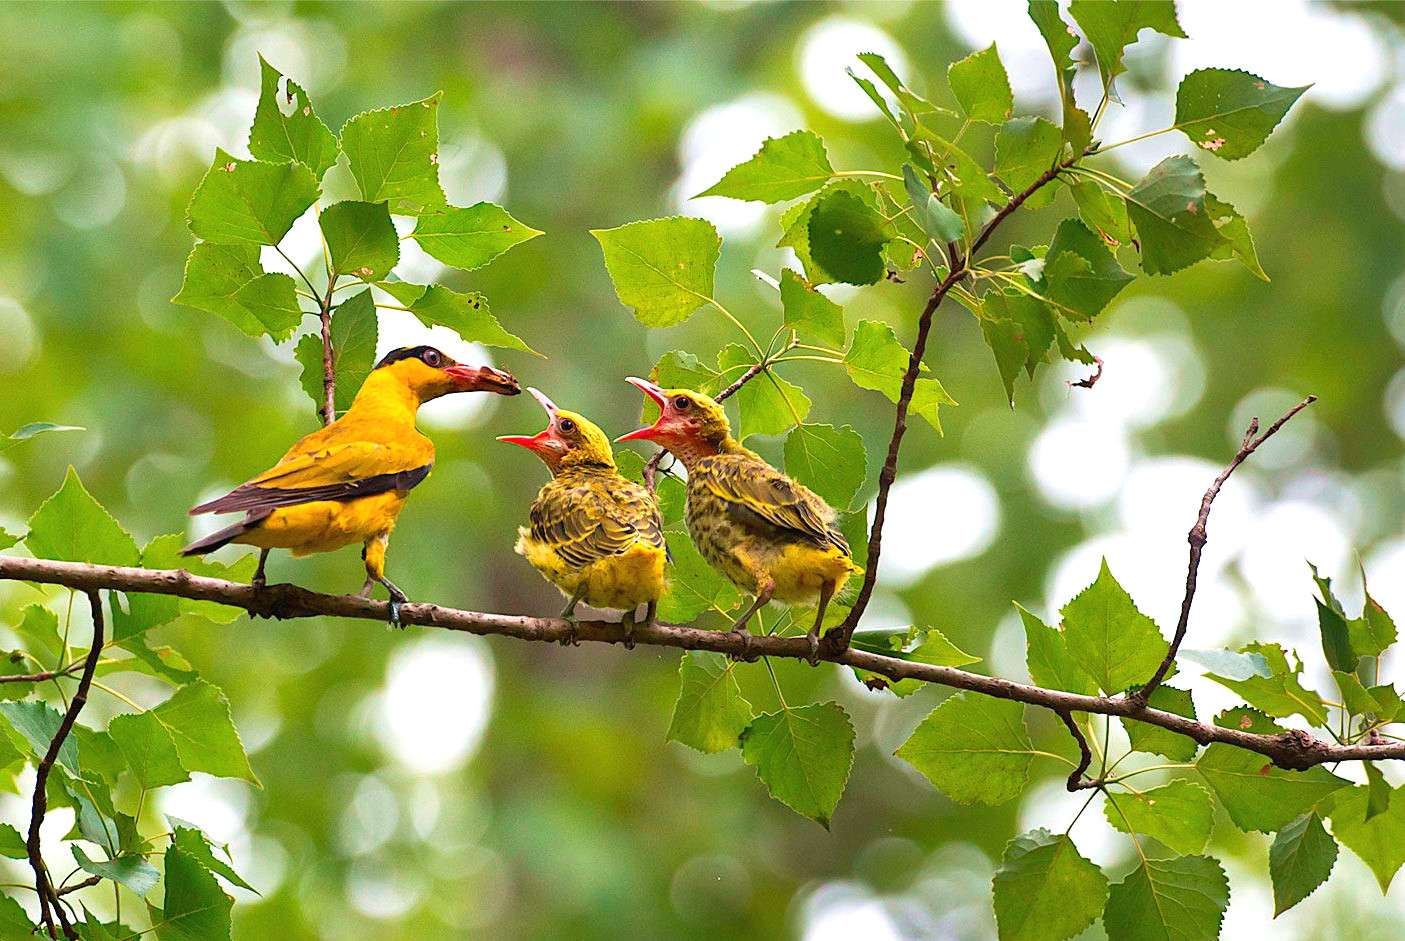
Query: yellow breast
{"type": "Point", "coordinates": [621, 581]}
{"type": "Point", "coordinates": [325, 525]}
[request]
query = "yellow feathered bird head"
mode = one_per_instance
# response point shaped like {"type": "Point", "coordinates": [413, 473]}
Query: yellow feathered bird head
{"type": "Point", "coordinates": [569, 439]}
{"type": "Point", "coordinates": [690, 424]}
{"type": "Point", "coordinates": [428, 373]}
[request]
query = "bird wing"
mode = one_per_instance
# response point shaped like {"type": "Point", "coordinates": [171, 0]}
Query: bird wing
{"type": "Point", "coordinates": [753, 488]}
{"type": "Point", "coordinates": [330, 469]}
{"type": "Point", "coordinates": [585, 524]}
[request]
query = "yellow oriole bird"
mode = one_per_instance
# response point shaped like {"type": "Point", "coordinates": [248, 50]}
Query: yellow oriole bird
{"type": "Point", "coordinates": [768, 534]}
{"type": "Point", "coordinates": [596, 535]}
{"type": "Point", "coordinates": [347, 482]}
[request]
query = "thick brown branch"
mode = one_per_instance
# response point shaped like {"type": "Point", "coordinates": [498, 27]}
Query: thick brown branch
{"type": "Point", "coordinates": [1294, 750]}
{"type": "Point", "coordinates": [1197, 539]}
{"type": "Point", "coordinates": [40, 806]}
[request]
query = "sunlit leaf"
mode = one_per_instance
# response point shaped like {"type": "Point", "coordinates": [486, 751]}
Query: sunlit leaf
{"type": "Point", "coordinates": [1110, 639]}
{"type": "Point", "coordinates": [354, 328]}
{"type": "Point", "coordinates": [394, 155]}
{"type": "Point", "coordinates": [1152, 738]}
{"type": "Point", "coordinates": [1112, 26]}
{"type": "Point", "coordinates": [803, 755]}
{"type": "Point", "coordinates": [1061, 41]}
{"type": "Point", "coordinates": [876, 360]}
{"type": "Point", "coordinates": [1182, 899]}
{"type": "Point", "coordinates": [1281, 693]}
{"type": "Point", "coordinates": [1179, 814]}
{"type": "Point", "coordinates": [914, 644]}
{"type": "Point", "coordinates": [71, 526]}
{"type": "Point", "coordinates": [1259, 795]}
{"type": "Point", "coordinates": [1231, 113]}
{"type": "Point", "coordinates": [196, 908]}
{"type": "Point", "coordinates": [1105, 213]}
{"type": "Point", "coordinates": [662, 268]}
{"type": "Point", "coordinates": [469, 238]}
{"type": "Point", "coordinates": [36, 724]}
{"type": "Point", "coordinates": [694, 586]}
{"type": "Point", "coordinates": [467, 315]}
{"type": "Point", "coordinates": [286, 127]}
{"type": "Point", "coordinates": [228, 280]}
{"type": "Point", "coordinates": [1048, 659]}
{"type": "Point", "coordinates": [1025, 148]}
{"type": "Point", "coordinates": [1081, 275]}
{"type": "Point", "coordinates": [361, 239]}
{"type": "Point", "coordinates": [973, 748]}
{"type": "Point", "coordinates": [197, 717]}
{"type": "Point", "coordinates": [1380, 841]}
{"type": "Point", "coordinates": [981, 86]}
{"type": "Point", "coordinates": [192, 840]}
{"type": "Point", "coordinates": [937, 220]}
{"type": "Point", "coordinates": [1045, 890]}
{"type": "Point", "coordinates": [711, 713]}
{"type": "Point", "coordinates": [132, 871]}
{"type": "Point", "coordinates": [1234, 229]}
{"type": "Point", "coordinates": [149, 749]}
{"type": "Point", "coordinates": [809, 313]}
{"type": "Point", "coordinates": [784, 168]}
{"type": "Point", "coordinates": [250, 202]}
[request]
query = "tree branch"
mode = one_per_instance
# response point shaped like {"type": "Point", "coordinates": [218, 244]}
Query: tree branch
{"type": "Point", "coordinates": [1076, 781]}
{"type": "Point", "coordinates": [1197, 539]}
{"type": "Point", "coordinates": [1294, 749]}
{"type": "Point", "coordinates": [329, 369]}
{"type": "Point", "coordinates": [40, 806]}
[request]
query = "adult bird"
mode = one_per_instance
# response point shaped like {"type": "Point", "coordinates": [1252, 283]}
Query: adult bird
{"type": "Point", "coordinates": [347, 482]}
{"type": "Point", "coordinates": [594, 534]}
{"type": "Point", "coordinates": [768, 534]}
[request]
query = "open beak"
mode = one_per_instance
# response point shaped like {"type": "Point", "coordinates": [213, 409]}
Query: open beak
{"type": "Point", "coordinates": [648, 432]}
{"type": "Point", "coordinates": [483, 379]}
{"type": "Point", "coordinates": [543, 401]}
{"type": "Point", "coordinates": [543, 441]}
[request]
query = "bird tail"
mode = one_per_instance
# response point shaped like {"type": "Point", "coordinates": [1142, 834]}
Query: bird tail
{"type": "Point", "coordinates": [224, 537]}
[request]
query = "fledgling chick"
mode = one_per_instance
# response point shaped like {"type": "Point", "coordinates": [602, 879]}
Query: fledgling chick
{"type": "Point", "coordinates": [347, 482]}
{"type": "Point", "coordinates": [596, 535]}
{"type": "Point", "coordinates": [770, 535]}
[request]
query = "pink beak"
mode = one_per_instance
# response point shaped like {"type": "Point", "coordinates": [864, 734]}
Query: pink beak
{"type": "Point", "coordinates": [544, 441]}
{"type": "Point", "coordinates": [653, 391]}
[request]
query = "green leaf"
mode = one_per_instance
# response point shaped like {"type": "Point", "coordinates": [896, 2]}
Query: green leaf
{"type": "Point", "coordinates": [71, 526]}
{"type": "Point", "coordinates": [98, 754]}
{"type": "Point", "coordinates": [1024, 149]}
{"type": "Point", "coordinates": [1152, 738]}
{"type": "Point", "coordinates": [876, 360]}
{"type": "Point", "coordinates": [830, 461]}
{"type": "Point", "coordinates": [846, 237]}
{"type": "Point", "coordinates": [1228, 664]}
{"type": "Point", "coordinates": [763, 401]}
{"type": "Point", "coordinates": [1045, 890]}
{"type": "Point", "coordinates": [1181, 899]}
{"type": "Point", "coordinates": [229, 281]}
{"type": "Point", "coordinates": [1048, 659]}
{"type": "Point", "coordinates": [1279, 694]}
{"type": "Point", "coordinates": [803, 755]}
{"type": "Point", "coordinates": [981, 86]}
{"type": "Point", "coordinates": [1006, 340]}
{"type": "Point", "coordinates": [662, 268]}
{"type": "Point", "coordinates": [196, 907]}
{"type": "Point", "coordinates": [1373, 632]}
{"type": "Point", "coordinates": [1238, 242]}
{"type": "Point", "coordinates": [1258, 795]}
{"type": "Point", "coordinates": [711, 713]}
{"type": "Point", "coordinates": [1180, 815]}
{"type": "Point", "coordinates": [467, 315]}
{"type": "Point", "coordinates": [8, 539]}
{"type": "Point", "coordinates": [38, 630]}
{"type": "Point", "coordinates": [938, 220]}
{"type": "Point", "coordinates": [149, 749]}
{"type": "Point", "coordinates": [197, 718]}
{"type": "Point", "coordinates": [1173, 224]}
{"type": "Point", "coordinates": [1231, 113]}
{"type": "Point", "coordinates": [1379, 841]}
{"type": "Point", "coordinates": [12, 845]}
{"type": "Point", "coordinates": [394, 155]}
{"type": "Point", "coordinates": [14, 923]}
{"type": "Point", "coordinates": [470, 238]}
{"type": "Point", "coordinates": [354, 328]}
{"type": "Point", "coordinates": [1111, 27]}
{"type": "Point", "coordinates": [288, 129]}
{"type": "Point", "coordinates": [694, 586]}
{"type": "Point", "coordinates": [37, 723]}
{"type": "Point", "coordinates": [1300, 859]}
{"type": "Point", "coordinates": [25, 432]}
{"type": "Point", "coordinates": [164, 552]}
{"type": "Point", "coordinates": [1378, 791]}
{"type": "Point", "coordinates": [974, 748]}
{"type": "Point", "coordinates": [1248, 720]}
{"type": "Point", "coordinates": [191, 839]}
{"type": "Point", "coordinates": [809, 313]}
{"type": "Point", "coordinates": [250, 202]}
{"type": "Point", "coordinates": [361, 239]}
{"type": "Point", "coordinates": [132, 871]}
{"type": "Point", "coordinates": [1032, 318]}
{"type": "Point", "coordinates": [912, 103]}
{"type": "Point", "coordinates": [1110, 639]}
{"type": "Point", "coordinates": [1062, 40]}
{"type": "Point", "coordinates": [1081, 275]}
{"type": "Point", "coordinates": [1106, 214]}
{"type": "Point", "coordinates": [914, 644]}
{"type": "Point", "coordinates": [1336, 639]}
{"type": "Point", "coordinates": [784, 168]}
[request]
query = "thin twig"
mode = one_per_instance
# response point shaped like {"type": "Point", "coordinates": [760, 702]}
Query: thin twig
{"type": "Point", "coordinates": [48, 897]}
{"type": "Point", "coordinates": [1294, 750]}
{"type": "Point", "coordinates": [85, 884]}
{"type": "Point", "coordinates": [1197, 539]}
{"type": "Point", "coordinates": [329, 369]}
{"type": "Point", "coordinates": [1076, 781]}
{"type": "Point", "coordinates": [39, 677]}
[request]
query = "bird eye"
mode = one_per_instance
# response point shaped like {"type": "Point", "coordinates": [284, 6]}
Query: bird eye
{"type": "Point", "coordinates": [432, 358]}
{"type": "Point", "coordinates": [567, 425]}
{"type": "Point", "coordinates": [682, 403]}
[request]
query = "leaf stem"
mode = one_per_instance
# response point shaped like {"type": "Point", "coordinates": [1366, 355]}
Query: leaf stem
{"type": "Point", "coordinates": [876, 174]}
{"type": "Point", "coordinates": [1104, 148]}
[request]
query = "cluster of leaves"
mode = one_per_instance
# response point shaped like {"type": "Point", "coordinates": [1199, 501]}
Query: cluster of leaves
{"type": "Point", "coordinates": [107, 774]}
{"type": "Point", "coordinates": [384, 163]}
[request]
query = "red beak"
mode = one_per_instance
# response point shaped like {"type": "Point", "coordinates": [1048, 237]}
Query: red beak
{"type": "Point", "coordinates": [543, 441]}
{"type": "Point", "coordinates": [482, 379]}
{"type": "Point", "coordinates": [648, 432]}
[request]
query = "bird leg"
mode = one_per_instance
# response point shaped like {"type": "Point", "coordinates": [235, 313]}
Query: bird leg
{"type": "Point", "coordinates": [651, 613]}
{"type": "Point", "coordinates": [627, 622]}
{"type": "Point", "coordinates": [569, 616]}
{"type": "Point", "coordinates": [826, 593]}
{"type": "Point", "coordinates": [260, 580]}
{"type": "Point", "coordinates": [739, 629]}
{"type": "Point", "coordinates": [374, 554]}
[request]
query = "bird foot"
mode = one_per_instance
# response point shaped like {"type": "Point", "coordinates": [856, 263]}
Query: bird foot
{"type": "Point", "coordinates": [744, 636]}
{"type": "Point", "coordinates": [570, 638]}
{"type": "Point", "coordinates": [814, 638]}
{"type": "Point", "coordinates": [627, 622]}
{"type": "Point", "coordinates": [270, 602]}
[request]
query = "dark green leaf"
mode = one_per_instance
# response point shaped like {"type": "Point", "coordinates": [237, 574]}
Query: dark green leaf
{"type": "Point", "coordinates": [1045, 890]}
{"type": "Point", "coordinates": [354, 328]}
{"type": "Point", "coordinates": [876, 360]}
{"type": "Point", "coordinates": [1174, 226]}
{"type": "Point", "coordinates": [1181, 899]}
{"type": "Point", "coordinates": [149, 749]}
{"type": "Point", "coordinates": [803, 755]}
{"type": "Point", "coordinates": [1032, 317]}
{"type": "Point", "coordinates": [1048, 659]}
{"type": "Point", "coordinates": [830, 461]}
{"type": "Point", "coordinates": [196, 907]}
{"type": "Point", "coordinates": [784, 168]}
{"type": "Point", "coordinates": [662, 268]}
{"type": "Point", "coordinates": [1081, 275]}
{"type": "Point", "coordinates": [197, 718]}
{"type": "Point", "coordinates": [14, 923]}
{"type": "Point", "coordinates": [974, 748]}
{"type": "Point", "coordinates": [1300, 859]}
{"type": "Point", "coordinates": [38, 629]}
{"type": "Point", "coordinates": [711, 713]}
{"type": "Point", "coordinates": [1164, 742]}
{"type": "Point", "coordinates": [809, 313]}
{"type": "Point", "coordinates": [981, 86]}
{"type": "Point", "coordinates": [937, 220]}
{"type": "Point", "coordinates": [1024, 149]}
{"type": "Point", "coordinates": [286, 127]}
{"type": "Point", "coordinates": [71, 526]}
{"type": "Point", "coordinates": [1238, 242]}
{"type": "Point", "coordinates": [1062, 40]}
{"type": "Point", "coordinates": [1373, 632]}
{"type": "Point", "coordinates": [1179, 814]}
{"type": "Point", "coordinates": [1110, 639]}
{"type": "Point", "coordinates": [1231, 113]}
{"type": "Point", "coordinates": [12, 845]}
{"type": "Point", "coordinates": [132, 871]}
{"type": "Point", "coordinates": [228, 280]}
{"type": "Point", "coordinates": [470, 238]}
{"type": "Point", "coordinates": [250, 202]}
{"type": "Point", "coordinates": [1106, 213]}
{"type": "Point", "coordinates": [394, 155]}
{"type": "Point", "coordinates": [914, 644]}
{"type": "Point", "coordinates": [1258, 795]}
{"type": "Point", "coordinates": [466, 314]}
{"type": "Point", "coordinates": [1111, 27]}
{"type": "Point", "coordinates": [361, 239]}
{"type": "Point", "coordinates": [1380, 841]}
{"type": "Point", "coordinates": [847, 237]}
{"type": "Point", "coordinates": [1006, 340]}
{"type": "Point", "coordinates": [192, 840]}
{"type": "Point", "coordinates": [1336, 639]}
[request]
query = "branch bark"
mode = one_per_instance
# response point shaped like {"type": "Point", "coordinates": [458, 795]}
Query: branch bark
{"type": "Point", "coordinates": [1197, 539]}
{"type": "Point", "coordinates": [329, 369]}
{"type": "Point", "coordinates": [48, 897]}
{"type": "Point", "coordinates": [1294, 750]}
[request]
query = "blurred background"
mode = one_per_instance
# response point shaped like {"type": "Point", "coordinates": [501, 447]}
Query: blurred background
{"type": "Point", "coordinates": [433, 787]}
